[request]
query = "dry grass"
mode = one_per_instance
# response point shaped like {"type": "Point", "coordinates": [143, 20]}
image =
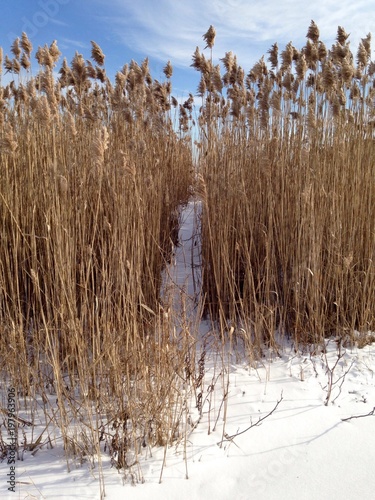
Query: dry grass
{"type": "Point", "coordinates": [287, 176]}
{"type": "Point", "coordinates": [91, 177]}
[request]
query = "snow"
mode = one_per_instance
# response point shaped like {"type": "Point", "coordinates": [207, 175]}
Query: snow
{"type": "Point", "coordinates": [303, 449]}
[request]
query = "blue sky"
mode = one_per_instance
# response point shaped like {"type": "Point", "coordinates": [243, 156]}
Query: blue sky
{"type": "Point", "coordinates": [171, 29]}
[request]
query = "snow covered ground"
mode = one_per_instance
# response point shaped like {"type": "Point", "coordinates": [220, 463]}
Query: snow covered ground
{"type": "Point", "coordinates": [305, 448]}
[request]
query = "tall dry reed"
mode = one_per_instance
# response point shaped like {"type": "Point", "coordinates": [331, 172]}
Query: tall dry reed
{"type": "Point", "coordinates": [92, 175]}
{"type": "Point", "coordinates": [287, 179]}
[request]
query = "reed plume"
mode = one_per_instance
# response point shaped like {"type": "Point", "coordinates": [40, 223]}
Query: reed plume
{"type": "Point", "coordinates": [300, 116]}
{"type": "Point", "coordinates": [209, 37]}
{"type": "Point", "coordinates": [87, 168]}
{"type": "Point", "coordinates": [97, 54]}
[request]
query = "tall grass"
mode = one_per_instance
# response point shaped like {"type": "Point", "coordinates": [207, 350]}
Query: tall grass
{"type": "Point", "coordinates": [91, 177]}
{"type": "Point", "coordinates": [287, 159]}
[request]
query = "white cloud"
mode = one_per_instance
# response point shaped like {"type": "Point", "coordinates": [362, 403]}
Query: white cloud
{"type": "Point", "coordinates": [67, 43]}
{"type": "Point", "coordinates": [57, 22]}
{"type": "Point", "coordinates": [168, 29]}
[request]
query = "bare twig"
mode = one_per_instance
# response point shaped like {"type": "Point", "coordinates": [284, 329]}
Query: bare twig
{"type": "Point", "coordinates": [372, 412]}
{"type": "Point", "coordinates": [330, 373]}
{"type": "Point", "coordinates": [256, 424]}
{"type": "Point", "coordinates": [342, 378]}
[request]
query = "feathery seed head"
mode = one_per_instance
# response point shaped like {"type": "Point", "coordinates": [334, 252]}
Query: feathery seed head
{"type": "Point", "coordinates": [125, 70]}
{"type": "Point", "coordinates": [45, 57]}
{"type": "Point", "coordinates": [367, 44]}
{"type": "Point", "coordinates": [197, 60]}
{"type": "Point", "coordinates": [91, 71]}
{"type": "Point", "coordinates": [301, 67]}
{"type": "Point", "coordinates": [66, 75]}
{"type": "Point", "coordinates": [168, 69]}
{"type": "Point", "coordinates": [145, 67]}
{"type": "Point", "coordinates": [288, 81]}
{"type": "Point", "coordinates": [43, 110]}
{"type": "Point", "coordinates": [26, 45]}
{"type": "Point", "coordinates": [287, 57]}
{"type": "Point", "coordinates": [273, 55]}
{"type": "Point", "coordinates": [54, 51]}
{"type": "Point", "coordinates": [355, 92]}
{"type": "Point", "coordinates": [322, 51]}
{"type": "Point", "coordinates": [313, 32]}
{"type": "Point", "coordinates": [328, 76]}
{"type": "Point", "coordinates": [340, 52]}
{"type": "Point", "coordinates": [341, 97]}
{"type": "Point", "coordinates": [99, 146]}
{"type": "Point", "coordinates": [358, 73]}
{"type": "Point", "coordinates": [202, 87]}
{"type": "Point", "coordinates": [135, 73]}
{"type": "Point", "coordinates": [209, 37]}
{"type": "Point", "coordinates": [228, 60]}
{"type": "Point", "coordinates": [346, 71]}
{"type": "Point", "coordinates": [371, 68]}
{"type": "Point", "coordinates": [216, 79]}
{"type": "Point", "coordinates": [120, 80]}
{"type": "Point", "coordinates": [16, 66]}
{"type": "Point", "coordinates": [276, 101]}
{"type": "Point", "coordinates": [97, 54]}
{"type": "Point", "coordinates": [363, 55]}
{"type": "Point", "coordinates": [240, 76]}
{"type": "Point", "coordinates": [342, 35]}
{"type": "Point", "coordinates": [311, 54]}
{"type": "Point", "coordinates": [71, 126]}
{"type": "Point", "coordinates": [8, 64]}
{"type": "Point", "coordinates": [79, 71]}
{"type": "Point", "coordinates": [25, 61]}
{"type": "Point", "coordinates": [8, 144]}
{"type": "Point", "coordinates": [101, 74]}
{"type": "Point", "coordinates": [15, 48]}
{"type": "Point", "coordinates": [259, 71]}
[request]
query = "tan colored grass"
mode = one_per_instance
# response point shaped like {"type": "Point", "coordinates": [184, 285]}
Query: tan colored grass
{"type": "Point", "coordinates": [288, 225]}
{"type": "Point", "coordinates": [91, 178]}
{"type": "Point", "coordinates": [92, 175]}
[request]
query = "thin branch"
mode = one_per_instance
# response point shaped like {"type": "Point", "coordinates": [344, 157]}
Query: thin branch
{"type": "Point", "coordinates": [257, 423]}
{"type": "Point", "coordinates": [372, 412]}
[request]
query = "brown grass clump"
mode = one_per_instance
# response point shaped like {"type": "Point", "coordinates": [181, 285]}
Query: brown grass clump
{"type": "Point", "coordinates": [91, 177]}
{"type": "Point", "coordinates": [288, 223]}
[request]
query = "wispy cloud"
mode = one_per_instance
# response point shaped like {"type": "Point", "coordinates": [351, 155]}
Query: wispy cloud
{"type": "Point", "coordinates": [58, 22]}
{"type": "Point", "coordinates": [68, 43]}
{"type": "Point", "coordinates": [171, 30]}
